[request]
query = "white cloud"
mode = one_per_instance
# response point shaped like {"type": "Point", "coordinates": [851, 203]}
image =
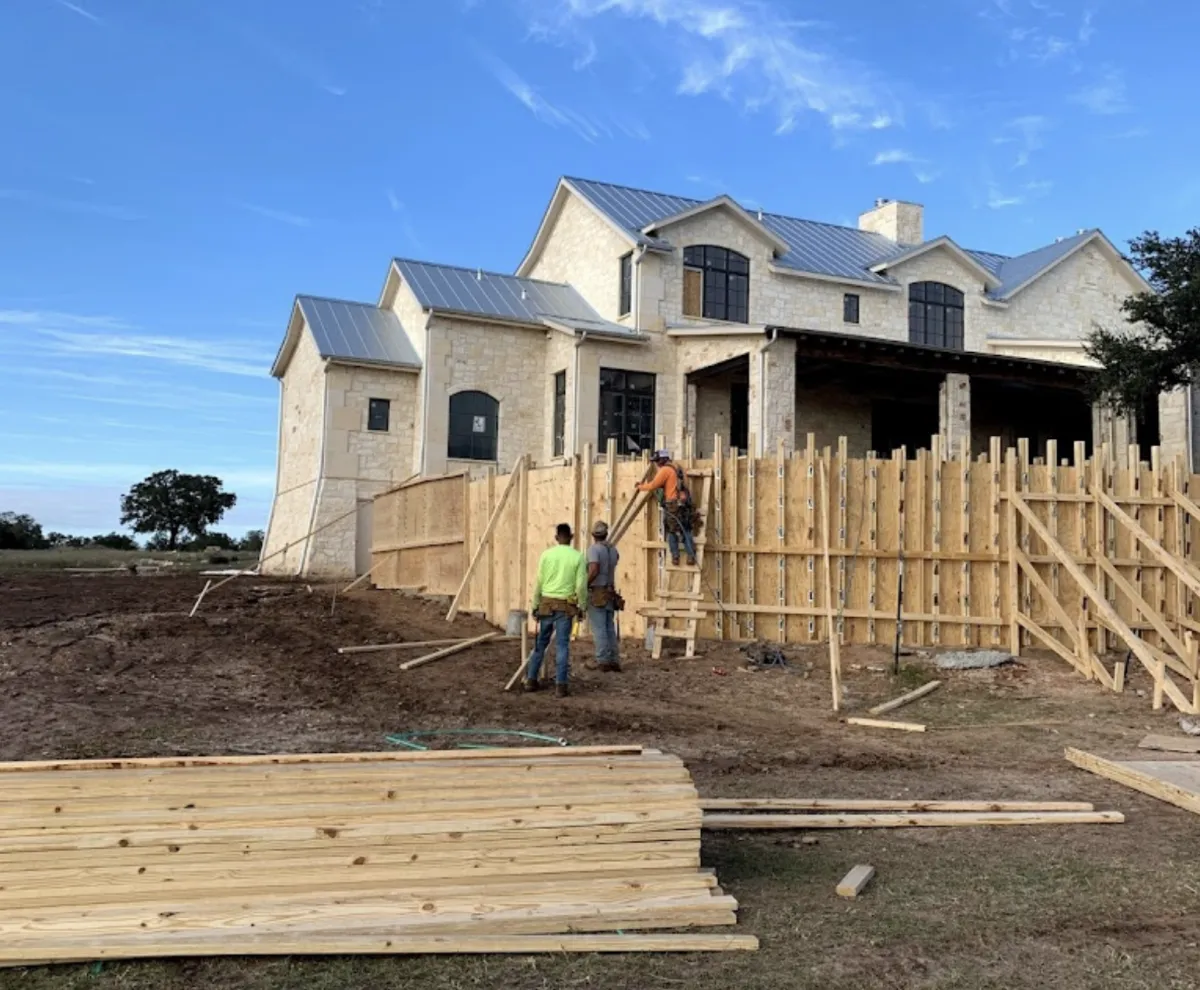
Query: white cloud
{"type": "Point", "coordinates": [1033, 30]}
{"type": "Point", "coordinates": [228, 357]}
{"type": "Point", "coordinates": [998, 201]}
{"type": "Point", "coordinates": [925, 176]}
{"type": "Point", "coordinates": [893, 157]}
{"type": "Point", "coordinates": [68, 205]}
{"type": "Point", "coordinates": [545, 111]}
{"type": "Point", "coordinates": [1107, 96]}
{"type": "Point", "coordinates": [741, 50]}
{"type": "Point", "coordinates": [75, 8]}
{"type": "Point", "coordinates": [393, 201]}
{"type": "Point", "coordinates": [280, 216]}
{"type": "Point", "coordinates": [1027, 134]}
{"type": "Point", "coordinates": [51, 318]}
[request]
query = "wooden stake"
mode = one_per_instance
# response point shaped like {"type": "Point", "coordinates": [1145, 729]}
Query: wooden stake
{"type": "Point", "coordinates": [513, 480]}
{"type": "Point", "coordinates": [904, 699]}
{"type": "Point", "coordinates": [835, 652]}
{"type": "Point", "coordinates": [879, 723]}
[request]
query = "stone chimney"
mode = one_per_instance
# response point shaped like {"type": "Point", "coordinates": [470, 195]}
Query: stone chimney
{"type": "Point", "coordinates": [896, 220]}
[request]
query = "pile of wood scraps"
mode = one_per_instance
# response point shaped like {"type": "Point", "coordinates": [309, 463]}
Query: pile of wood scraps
{"type": "Point", "coordinates": [889, 706]}
{"type": "Point", "coordinates": [814, 813]}
{"type": "Point", "coordinates": [532, 850]}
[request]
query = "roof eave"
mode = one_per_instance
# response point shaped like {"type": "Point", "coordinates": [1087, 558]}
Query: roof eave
{"type": "Point", "coordinates": [349, 362]}
{"type": "Point", "coordinates": [721, 202]}
{"type": "Point", "coordinates": [887, 286]}
{"type": "Point", "coordinates": [564, 188]}
{"type": "Point", "coordinates": [287, 348]}
{"type": "Point", "coordinates": [989, 279]}
{"type": "Point", "coordinates": [1095, 237]}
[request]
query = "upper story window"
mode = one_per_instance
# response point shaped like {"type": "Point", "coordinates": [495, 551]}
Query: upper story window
{"type": "Point", "coordinates": [850, 307]}
{"type": "Point", "coordinates": [474, 425]}
{"type": "Point", "coordinates": [625, 303]}
{"type": "Point", "coordinates": [716, 284]}
{"type": "Point", "coordinates": [935, 315]}
{"type": "Point", "coordinates": [378, 414]}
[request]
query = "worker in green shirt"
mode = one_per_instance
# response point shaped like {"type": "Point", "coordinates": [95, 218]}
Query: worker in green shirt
{"type": "Point", "coordinates": [558, 596]}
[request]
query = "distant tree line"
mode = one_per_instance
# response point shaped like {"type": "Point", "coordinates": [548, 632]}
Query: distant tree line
{"type": "Point", "coordinates": [175, 509]}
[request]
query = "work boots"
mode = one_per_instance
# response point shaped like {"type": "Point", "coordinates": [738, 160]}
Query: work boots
{"type": "Point", "coordinates": [561, 689]}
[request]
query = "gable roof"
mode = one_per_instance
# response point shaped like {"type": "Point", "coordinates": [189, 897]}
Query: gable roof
{"type": "Point", "coordinates": [990, 278]}
{"type": "Point", "coordinates": [354, 332]}
{"type": "Point", "coordinates": [823, 249]}
{"type": "Point", "coordinates": [510, 298]}
{"type": "Point", "coordinates": [722, 202]}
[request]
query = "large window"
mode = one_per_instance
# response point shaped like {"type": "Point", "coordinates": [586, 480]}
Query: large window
{"type": "Point", "coordinates": [560, 413]}
{"type": "Point", "coordinates": [716, 284]}
{"type": "Point", "coordinates": [935, 315]}
{"type": "Point", "coordinates": [474, 422]}
{"type": "Point", "coordinates": [627, 410]}
{"type": "Point", "coordinates": [625, 303]}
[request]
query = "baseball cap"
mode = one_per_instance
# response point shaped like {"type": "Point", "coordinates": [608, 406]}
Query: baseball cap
{"type": "Point", "coordinates": [662, 455]}
{"type": "Point", "coordinates": [600, 528]}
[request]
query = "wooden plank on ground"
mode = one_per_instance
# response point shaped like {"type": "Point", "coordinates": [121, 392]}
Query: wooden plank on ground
{"type": "Point", "coordinates": [1171, 744]}
{"type": "Point", "coordinates": [931, 819]}
{"type": "Point", "coordinates": [448, 651]}
{"type": "Point", "coordinates": [904, 699]}
{"type": "Point", "coordinates": [1176, 782]}
{"type": "Point", "coordinates": [855, 882]}
{"type": "Point", "coordinates": [880, 723]}
{"type": "Point", "coordinates": [870, 804]}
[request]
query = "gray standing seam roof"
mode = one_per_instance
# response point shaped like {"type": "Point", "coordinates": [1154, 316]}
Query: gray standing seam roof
{"type": "Point", "coordinates": [352, 331]}
{"type": "Point", "coordinates": [506, 297]}
{"type": "Point", "coordinates": [814, 247]}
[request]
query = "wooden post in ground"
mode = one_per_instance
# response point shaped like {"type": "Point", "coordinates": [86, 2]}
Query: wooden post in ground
{"type": "Point", "coordinates": [522, 557]}
{"type": "Point", "coordinates": [1014, 600]}
{"type": "Point", "coordinates": [515, 478]}
{"type": "Point", "coordinates": [835, 653]}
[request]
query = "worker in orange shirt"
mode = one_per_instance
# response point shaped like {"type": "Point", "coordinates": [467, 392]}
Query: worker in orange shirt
{"type": "Point", "coordinates": [675, 501]}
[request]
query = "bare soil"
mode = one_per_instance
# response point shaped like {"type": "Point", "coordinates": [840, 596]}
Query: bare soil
{"type": "Point", "coordinates": [102, 665]}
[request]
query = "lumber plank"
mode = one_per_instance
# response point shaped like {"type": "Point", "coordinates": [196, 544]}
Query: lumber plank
{"type": "Point", "coordinates": [448, 651]}
{"type": "Point", "coordinates": [904, 699]}
{"type": "Point", "coordinates": [1147, 777]}
{"type": "Point", "coordinates": [382, 647]}
{"type": "Point", "coordinates": [855, 882]}
{"type": "Point", "coordinates": [915, 820]}
{"type": "Point", "coordinates": [880, 723]}
{"type": "Point", "coordinates": [485, 539]}
{"type": "Point", "coordinates": [868, 804]}
{"type": "Point", "coordinates": [371, 944]}
{"type": "Point", "coordinates": [283, 759]}
{"type": "Point", "coordinates": [1171, 744]}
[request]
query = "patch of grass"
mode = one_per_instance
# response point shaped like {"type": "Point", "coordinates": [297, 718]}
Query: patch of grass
{"type": "Point", "coordinates": [63, 557]}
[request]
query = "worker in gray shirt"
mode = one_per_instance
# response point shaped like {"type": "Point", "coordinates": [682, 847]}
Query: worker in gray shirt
{"type": "Point", "coordinates": [603, 600]}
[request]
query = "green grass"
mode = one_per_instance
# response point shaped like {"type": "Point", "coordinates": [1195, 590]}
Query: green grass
{"type": "Point", "coordinates": [63, 557]}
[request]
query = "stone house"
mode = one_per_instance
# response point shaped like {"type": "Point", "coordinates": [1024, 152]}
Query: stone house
{"type": "Point", "coordinates": [637, 315]}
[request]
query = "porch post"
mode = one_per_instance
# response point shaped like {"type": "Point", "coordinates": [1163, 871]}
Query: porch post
{"type": "Point", "coordinates": [954, 414]}
{"type": "Point", "coordinates": [773, 395]}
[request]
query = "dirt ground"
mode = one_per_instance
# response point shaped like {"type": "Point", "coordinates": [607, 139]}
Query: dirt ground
{"type": "Point", "coordinates": [112, 666]}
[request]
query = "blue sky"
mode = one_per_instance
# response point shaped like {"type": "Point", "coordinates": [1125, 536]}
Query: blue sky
{"type": "Point", "coordinates": [174, 171]}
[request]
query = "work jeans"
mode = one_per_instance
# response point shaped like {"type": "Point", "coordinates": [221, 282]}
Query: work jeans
{"type": "Point", "coordinates": [689, 543]}
{"type": "Point", "coordinates": [604, 633]}
{"type": "Point", "coordinates": [559, 626]}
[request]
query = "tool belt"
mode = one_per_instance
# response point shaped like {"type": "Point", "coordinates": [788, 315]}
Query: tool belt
{"type": "Point", "coordinates": [605, 597]}
{"type": "Point", "coordinates": [554, 606]}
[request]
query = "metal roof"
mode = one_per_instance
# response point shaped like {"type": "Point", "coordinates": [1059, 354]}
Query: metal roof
{"type": "Point", "coordinates": [474, 292]}
{"type": "Point", "coordinates": [813, 247]}
{"type": "Point", "coordinates": [351, 331]}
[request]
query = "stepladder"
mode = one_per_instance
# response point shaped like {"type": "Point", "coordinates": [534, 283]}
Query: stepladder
{"type": "Point", "coordinates": [680, 587]}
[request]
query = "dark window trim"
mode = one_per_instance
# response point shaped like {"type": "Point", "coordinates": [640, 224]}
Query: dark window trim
{"type": "Point", "coordinates": [725, 293]}
{"type": "Point", "coordinates": [850, 307]}
{"type": "Point", "coordinates": [379, 411]}
{"type": "Point", "coordinates": [560, 414]}
{"type": "Point", "coordinates": [473, 445]}
{"type": "Point", "coordinates": [625, 296]}
{"type": "Point", "coordinates": [936, 315]}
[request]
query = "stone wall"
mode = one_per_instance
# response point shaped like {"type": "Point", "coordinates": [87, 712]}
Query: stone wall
{"type": "Point", "coordinates": [655, 357]}
{"type": "Point", "coordinates": [301, 423]}
{"type": "Point", "coordinates": [508, 363]}
{"type": "Point", "coordinates": [585, 251]}
{"type": "Point", "coordinates": [831, 412]}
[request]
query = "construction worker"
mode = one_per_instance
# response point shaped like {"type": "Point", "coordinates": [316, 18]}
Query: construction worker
{"type": "Point", "coordinates": [558, 597]}
{"type": "Point", "coordinates": [675, 501]}
{"type": "Point", "coordinates": [603, 600]}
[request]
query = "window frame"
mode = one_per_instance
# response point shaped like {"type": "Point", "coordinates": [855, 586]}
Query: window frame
{"type": "Point", "coordinates": [373, 406]}
{"type": "Point", "coordinates": [559, 421]}
{"type": "Point", "coordinates": [725, 282]}
{"type": "Point", "coordinates": [490, 443]}
{"type": "Point", "coordinates": [937, 315]}
{"type": "Point", "coordinates": [625, 285]}
{"type": "Point", "coordinates": [851, 308]}
{"type": "Point", "coordinates": [638, 389]}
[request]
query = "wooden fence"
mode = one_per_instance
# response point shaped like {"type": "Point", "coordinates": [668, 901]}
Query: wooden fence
{"type": "Point", "coordinates": [1081, 556]}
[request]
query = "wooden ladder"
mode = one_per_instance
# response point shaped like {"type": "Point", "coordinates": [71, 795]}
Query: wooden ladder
{"type": "Point", "coordinates": [681, 604]}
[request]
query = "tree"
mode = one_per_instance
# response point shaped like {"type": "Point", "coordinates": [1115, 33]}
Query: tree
{"type": "Point", "coordinates": [1160, 348]}
{"type": "Point", "coordinates": [115, 541]}
{"type": "Point", "coordinates": [170, 505]}
{"type": "Point", "coordinates": [252, 542]}
{"type": "Point", "coordinates": [20, 532]}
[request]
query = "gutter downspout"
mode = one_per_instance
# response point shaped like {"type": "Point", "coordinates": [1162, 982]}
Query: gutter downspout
{"type": "Point", "coordinates": [762, 393]}
{"type": "Point", "coordinates": [424, 432]}
{"type": "Point", "coordinates": [583, 335]}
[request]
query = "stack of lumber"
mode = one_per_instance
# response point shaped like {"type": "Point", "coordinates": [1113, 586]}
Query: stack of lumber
{"type": "Point", "coordinates": [445, 851]}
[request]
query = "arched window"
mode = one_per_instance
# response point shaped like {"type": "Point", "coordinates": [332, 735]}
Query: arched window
{"type": "Point", "coordinates": [935, 315]}
{"type": "Point", "coordinates": [716, 284]}
{"type": "Point", "coordinates": [474, 423]}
